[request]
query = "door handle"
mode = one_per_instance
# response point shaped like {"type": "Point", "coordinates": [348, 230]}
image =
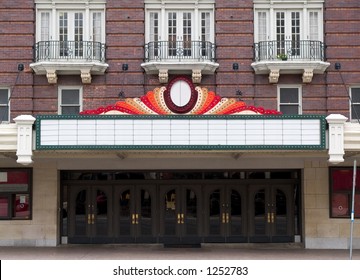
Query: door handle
{"type": "Point", "coordinates": [180, 218]}
{"type": "Point", "coordinates": [136, 218]}
{"type": "Point", "coordinates": [89, 219]}
{"type": "Point", "coordinates": [227, 218]}
{"type": "Point", "coordinates": [223, 218]}
{"type": "Point", "coordinates": [92, 219]}
{"type": "Point", "coordinates": [269, 218]}
{"type": "Point", "coordinates": [272, 217]}
{"type": "Point", "coordinates": [133, 219]}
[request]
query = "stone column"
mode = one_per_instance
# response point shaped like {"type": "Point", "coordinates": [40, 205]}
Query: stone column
{"type": "Point", "coordinates": [336, 137]}
{"type": "Point", "coordinates": [24, 125]}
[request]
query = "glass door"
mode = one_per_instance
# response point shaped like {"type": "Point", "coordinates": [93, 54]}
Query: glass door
{"type": "Point", "coordinates": [271, 213]}
{"type": "Point", "coordinates": [134, 214]}
{"type": "Point", "coordinates": [180, 221]}
{"type": "Point", "coordinates": [71, 34]}
{"type": "Point", "coordinates": [89, 214]}
{"type": "Point", "coordinates": [180, 34]}
{"type": "Point", "coordinates": [225, 219]}
{"type": "Point", "coordinates": [288, 33]}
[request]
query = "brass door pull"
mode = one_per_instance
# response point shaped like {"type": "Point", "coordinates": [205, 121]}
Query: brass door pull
{"type": "Point", "coordinates": [180, 218]}
{"type": "Point", "coordinates": [135, 219]}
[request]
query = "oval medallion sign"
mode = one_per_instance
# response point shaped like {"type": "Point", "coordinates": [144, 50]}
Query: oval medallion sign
{"type": "Point", "coordinates": [180, 95]}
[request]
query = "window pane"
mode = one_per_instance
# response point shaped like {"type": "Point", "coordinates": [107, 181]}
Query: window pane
{"type": "Point", "coordinates": [70, 110]}
{"type": "Point", "coordinates": [314, 25]}
{"type": "Point", "coordinates": [4, 114]}
{"type": "Point", "coordinates": [45, 26]}
{"type": "Point", "coordinates": [289, 95]}
{"type": "Point", "coordinates": [262, 26]}
{"type": "Point", "coordinates": [22, 206]}
{"type": "Point", "coordinates": [4, 207]}
{"type": "Point", "coordinates": [355, 95]}
{"type": "Point", "coordinates": [97, 27]}
{"type": "Point", "coordinates": [4, 96]}
{"type": "Point", "coordinates": [70, 96]}
{"type": "Point", "coordinates": [342, 179]}
{"type": "Point", "coordinates": [355, 112]}
{"type": "Point", "coordinates": [289, 109]}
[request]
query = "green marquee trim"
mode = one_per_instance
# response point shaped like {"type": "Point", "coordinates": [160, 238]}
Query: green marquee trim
{"type": "Point", "coordinates": [321, 146]}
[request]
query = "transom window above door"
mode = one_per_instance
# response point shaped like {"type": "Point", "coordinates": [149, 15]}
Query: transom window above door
{"type": "Point", "coordinates": [288, 38]}
{"type": "Point", "coordinates": [179, 39]}
{"type": "Point", "coordinates": [70, 38]}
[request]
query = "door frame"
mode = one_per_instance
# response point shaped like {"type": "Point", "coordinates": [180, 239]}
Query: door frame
{"type": "Point", "coordinates": [91, 215]}
{"type": "Point", "coordinates": [180, 236]}
{"type": "Point", "coordinates": [269, 235]}
{"type": "Point", "coordinates": [225, 217]}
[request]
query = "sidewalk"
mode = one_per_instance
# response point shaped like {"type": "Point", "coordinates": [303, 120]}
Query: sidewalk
{"type": "Point", "coordinates": [158, 252]}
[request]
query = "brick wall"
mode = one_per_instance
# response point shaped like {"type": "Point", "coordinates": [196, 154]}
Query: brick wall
{"type": "Point", "coordinates": [16, 42]}
{"type": "Point", "coordinates": [234, 39]}
{"type": "Point", "coordinates": [342, 37]}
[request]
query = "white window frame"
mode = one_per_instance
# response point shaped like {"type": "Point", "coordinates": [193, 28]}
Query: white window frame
{"type": "Point", "coordinates": [54, 7]}
{"type": "Point", "coordinates": [7, 120]}
{"type": "Point", "coordinates": [162, 7]}
{"type": "Point", "coordinates": [305, 7]}
{"type": "Point", "coordinates": [299, 104]}
{"type": "Point", "coordinates": [351, 103]}
{"type": "Point", "coordinates": [61, 88]}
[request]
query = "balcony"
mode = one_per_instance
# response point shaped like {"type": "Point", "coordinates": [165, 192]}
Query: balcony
{"type": "Point", "coordinates": [52, 58]}
{"type": "Point", "coordinates": [289, 57]}
{"type": "Point", "coordinates": [180, 57]}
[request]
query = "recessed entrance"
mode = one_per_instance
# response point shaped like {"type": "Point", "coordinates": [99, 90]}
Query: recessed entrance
{"type": "Point", "coordinates": [180, 207]}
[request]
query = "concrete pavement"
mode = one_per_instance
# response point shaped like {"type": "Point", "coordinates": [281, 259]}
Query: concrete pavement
{"type": "Point", "coordinates": [158, 252]}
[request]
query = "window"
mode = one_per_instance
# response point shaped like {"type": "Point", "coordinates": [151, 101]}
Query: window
{"type": "Point", "coordinates": [341, 185]}
{"type": "Point", "coordinates": [171, 31]}
{"type": "Point", "coordinates": [4, 105]}
{"type": "Point", "coordinates": [70, 100]}
{"type": "Point", "coordinates": [70, 25]}
{"type": "Point", "coordinates": [355, 103]}
{"type": "Point", "coordinates": [15, 194]}
{"type": "Point", "coordinates": [293, 29]}
{"type": "Point", "coordinates": [289, 99]}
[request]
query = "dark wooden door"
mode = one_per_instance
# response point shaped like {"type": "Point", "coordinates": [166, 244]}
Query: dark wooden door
{"type": "Point", "coordinates": [90, 214]}
{"type": "Point", "coordinates": [180, 215]}
{"type": "Point", "coordinates": [135, 214]}
{"type": "Point", "coordinates": [225, 214]}
{"type": "Point", "coordinates": [271, 213]}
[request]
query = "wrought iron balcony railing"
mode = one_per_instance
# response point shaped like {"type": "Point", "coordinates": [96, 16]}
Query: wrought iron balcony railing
{"type": "Point", "coordinates": [289, 50]}
{"type": "Point", "coordinates": [180, 51]}
{"type": "Point", "coordinates": [69, 50]}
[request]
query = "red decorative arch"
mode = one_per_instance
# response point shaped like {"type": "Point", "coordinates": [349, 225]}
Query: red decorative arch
{"type": "Point", "coordinates": [202, 102]}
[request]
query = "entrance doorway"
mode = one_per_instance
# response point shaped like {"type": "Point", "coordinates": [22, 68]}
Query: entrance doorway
{"type": "Point", "coordinates": [271, 213]}
{"type": "Point", "coordinates": [193, 208]}
{"type": "Point", "coordinates": [225, 214]}
{"type": "Point", "coordinates": [180, 214]}
{"type": "Point", "coordinates": [90, 214]}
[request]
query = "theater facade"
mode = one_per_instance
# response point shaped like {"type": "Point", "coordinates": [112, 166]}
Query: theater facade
{"type": "Point", "coordinates": [179, 123]}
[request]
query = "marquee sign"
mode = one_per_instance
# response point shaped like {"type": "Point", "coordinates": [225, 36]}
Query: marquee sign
{"type": "Point", "coordinates": [180, 117]}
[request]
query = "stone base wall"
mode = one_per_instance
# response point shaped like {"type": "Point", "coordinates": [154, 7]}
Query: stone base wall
{"type": "Point", "coordinates": [321, 231]}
